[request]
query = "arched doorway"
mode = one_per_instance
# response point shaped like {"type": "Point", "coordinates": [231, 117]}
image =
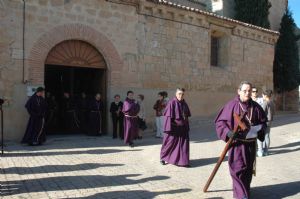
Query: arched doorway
{"type": "Point", "coordinates": [75, 67]}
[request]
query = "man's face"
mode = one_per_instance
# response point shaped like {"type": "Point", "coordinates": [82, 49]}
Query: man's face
{"type": "Point", "coordinates": [160, 97]}
{"type": "Point", "coordinates": [245, 92]}
{"type": "Point", "coordinates": [179, 95]}
{"type": "Point", "coordinates": [117, 99]}
{"type": "Point", "coordinates": [41, 94]}
{"type": "Point", "coordinates": [130, 95]}
{"type": "Point", "coordinates": [254, 93]}
{"type": "Point", "coordinates": [98, 96]}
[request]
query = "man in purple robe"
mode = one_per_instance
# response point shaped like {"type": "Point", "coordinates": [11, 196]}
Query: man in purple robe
{"type": "Point", "coordinates": [36, 107]}
{"type": "Point", "coordinates": [175, 147]}
{"type": "Point", "coordinates": [241, 155]}
{"type": "Point", "coordinates": [95, 116]}
{"type": "Point", "coordinates": [131, 124]}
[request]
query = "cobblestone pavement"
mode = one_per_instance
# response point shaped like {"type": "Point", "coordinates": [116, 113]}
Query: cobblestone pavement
{"type": "Point", "coordinates": [99, 167]}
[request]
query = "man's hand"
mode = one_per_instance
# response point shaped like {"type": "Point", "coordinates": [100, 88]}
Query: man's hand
{"type": "Point", "coordinates": [231, 134]}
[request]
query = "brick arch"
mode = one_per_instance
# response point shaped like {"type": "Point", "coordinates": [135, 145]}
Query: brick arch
{"type": "Point", "coordinates": [41, 48]}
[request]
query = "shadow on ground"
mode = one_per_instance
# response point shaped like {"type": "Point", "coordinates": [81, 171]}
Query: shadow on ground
{"type": "Point", "coordinates": [55, 153]}
{"type": "Point", "coordinates": [205, 161]}
{"type": "Point", "coordinates": [276, 191]}
{"type": "Point", "coordinates": [134, 194]}
{"type": "Point", "coordinates": [281, 120]}
{"type": "Point", "coordinates": [55, 168]}
{"type": "Point", "coordinates": [63, 183]}
{"type": "Point", "coordinates": [287, 148]}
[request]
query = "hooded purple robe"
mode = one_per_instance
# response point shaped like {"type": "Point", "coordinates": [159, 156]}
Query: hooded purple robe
{"type": "Point", "coordinates": [241, 155]}
{"type": "Point", "coordinates": [131, 126]}
{"type": "Point", "coordinates": [35, 131]}
{"type": "Point", "coordinates": [175, 147]}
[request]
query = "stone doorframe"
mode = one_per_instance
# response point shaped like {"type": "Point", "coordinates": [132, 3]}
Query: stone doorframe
{"type": "Point", "coordinates": [41, 48]}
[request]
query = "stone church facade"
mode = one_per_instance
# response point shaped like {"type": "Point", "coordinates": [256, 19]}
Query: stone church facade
{"type": "Point", "coordinates": [140, 45]}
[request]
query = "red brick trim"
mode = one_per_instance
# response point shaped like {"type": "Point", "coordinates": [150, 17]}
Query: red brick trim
{"type": "Point", "coordinates": [41, 48]}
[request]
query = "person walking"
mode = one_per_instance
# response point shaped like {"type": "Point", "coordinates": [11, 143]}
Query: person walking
{"type": "Point", "coordinates": [269, 108]}
{"type": "Point", "coordinates": [176, 147]}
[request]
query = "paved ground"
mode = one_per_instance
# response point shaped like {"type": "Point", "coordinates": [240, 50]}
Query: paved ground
{"type": "Point", "coordinates": [99, 167]}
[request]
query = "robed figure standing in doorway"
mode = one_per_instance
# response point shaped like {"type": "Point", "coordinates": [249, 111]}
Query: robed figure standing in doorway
{"type": "Point", "coordinates": [36, 107]}
{"type": "Point", "coordinates": [241, 155]}
{"type": "Point", "coordinates": [131, 124]}
{"type": "Point", "coordinates": [69, 114]}
{"type": "Point", "coordinates": [117, 117]}
{"type": "Point", "coordinates": [176, 147]}
{"type": "Point", "coordinates": [95, 116]}
{"type": "Point", "coordinates": [83, 112]}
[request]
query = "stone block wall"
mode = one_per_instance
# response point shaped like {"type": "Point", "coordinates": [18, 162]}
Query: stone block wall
{"type": "Point", "coordinates": [148, 47]}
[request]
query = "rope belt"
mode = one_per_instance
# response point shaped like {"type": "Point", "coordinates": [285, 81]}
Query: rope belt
{"type": "Point", "coordinates": [131, 116]}
{"type": "Point", "coordinates": [246, 140]}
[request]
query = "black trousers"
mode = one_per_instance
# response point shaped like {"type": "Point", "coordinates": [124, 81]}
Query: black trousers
{"type": "Point", "coordinates": [117, 121]}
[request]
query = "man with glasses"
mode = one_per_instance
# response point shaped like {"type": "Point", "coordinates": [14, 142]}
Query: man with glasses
{"type": "Point", "coordinates": [241, 155]}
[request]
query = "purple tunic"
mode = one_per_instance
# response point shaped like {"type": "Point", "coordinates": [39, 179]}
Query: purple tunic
{"type": "Point", "coordinates": [131, 126]}
{"type": "Point", "coordinates": [35, 131]}
{"type": "Point", "coordinates": [175, 147]}
{"type": "Point", "coordinates": [241, 155]}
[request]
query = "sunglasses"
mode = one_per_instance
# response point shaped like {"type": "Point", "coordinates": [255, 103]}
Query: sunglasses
{"type": "Point", "coordinates": [254, 91]}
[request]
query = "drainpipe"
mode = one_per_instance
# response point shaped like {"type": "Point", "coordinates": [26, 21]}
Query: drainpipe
{"type": "Point", "coordinates": [23, 43]}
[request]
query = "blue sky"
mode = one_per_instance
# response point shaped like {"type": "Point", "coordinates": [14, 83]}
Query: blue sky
{"type": "Point", "coordinates": [294, 6]}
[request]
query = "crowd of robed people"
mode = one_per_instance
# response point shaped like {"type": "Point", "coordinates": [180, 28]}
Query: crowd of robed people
{"type": "Point", "coordinates": [172, 124]}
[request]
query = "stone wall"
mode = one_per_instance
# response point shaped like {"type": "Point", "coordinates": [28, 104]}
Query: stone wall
{"type": "Point", "coordinates": [148, 47]}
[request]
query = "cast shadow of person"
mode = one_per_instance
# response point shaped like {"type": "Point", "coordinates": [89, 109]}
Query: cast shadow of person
{"type": "Point", "coordinates": [55, 168]}
{"type": "Point", "coordinates": [205, 161]}
{"type": "Point", "coordinates": [286, 148]}
{"type": "Point", "coordinates": [63, 183]}
{"type": "Point", "coordinates": [276, 191]}
{"type": "Point", "coordinates": [77, 152]}
{"type": "Point", "coordinates": [135, 194]}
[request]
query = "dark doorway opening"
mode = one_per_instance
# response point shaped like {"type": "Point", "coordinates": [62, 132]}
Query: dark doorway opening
{"type": "Point", "coordinates": [74, 80]}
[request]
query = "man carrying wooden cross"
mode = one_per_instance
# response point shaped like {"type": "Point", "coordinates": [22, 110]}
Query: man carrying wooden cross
{"type": "Point", "coordinates": [241, 155]}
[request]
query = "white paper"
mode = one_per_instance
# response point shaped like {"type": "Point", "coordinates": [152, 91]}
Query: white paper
{"type": "Point", "coordinates": [253, 131]}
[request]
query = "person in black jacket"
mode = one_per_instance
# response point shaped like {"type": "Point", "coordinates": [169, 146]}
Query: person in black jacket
{"type": "Point", "coordinates": [117, 117]}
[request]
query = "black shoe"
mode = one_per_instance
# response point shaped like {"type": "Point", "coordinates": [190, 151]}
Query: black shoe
{"type": "Point", "coordinates": [162, 162]}
{"type": "Point", "coordinates": [131, 144]}
{"type": "Point", "coordinates": [34, 144]}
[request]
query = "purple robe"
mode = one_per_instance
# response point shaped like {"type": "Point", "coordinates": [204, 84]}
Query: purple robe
{"type": "Point", "coordinates": [131, 123]}
{"type": "Point", "coordinates": [241, 155]}
{"type": "Point", "coordinates": [35, 131]}
{"type": "Point", "coordinates": [175, 147]}
{"type": "Point", "coordinates": [95, 117]}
